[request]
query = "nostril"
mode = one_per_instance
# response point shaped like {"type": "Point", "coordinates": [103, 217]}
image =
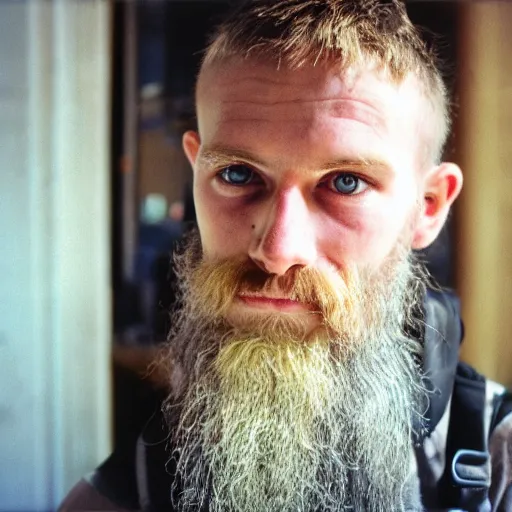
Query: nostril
{"type": "Point", "coordinates": [261, 264]}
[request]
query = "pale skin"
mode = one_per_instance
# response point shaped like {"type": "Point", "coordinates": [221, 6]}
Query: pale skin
{"type": "Point", "coordinates": [311, 167]}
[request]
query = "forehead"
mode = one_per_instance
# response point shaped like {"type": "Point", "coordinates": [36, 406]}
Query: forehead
{"type": "Point", "coordinates": [263, 82]}
{"type": "Point", "coordinates": [241, 96]}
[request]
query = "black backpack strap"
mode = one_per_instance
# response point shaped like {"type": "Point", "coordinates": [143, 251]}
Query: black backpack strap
{"type": "Point", "coordinates": [116, 480]}
{"type": "Point", "coordinates": [466, 478]}
{"type": "Point", "coordinates": [154, 467]}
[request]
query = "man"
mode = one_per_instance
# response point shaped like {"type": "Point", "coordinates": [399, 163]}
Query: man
{"type": "Point", "coordinates": [310, 368]}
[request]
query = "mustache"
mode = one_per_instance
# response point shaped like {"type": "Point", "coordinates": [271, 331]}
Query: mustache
{"type": "Point", "coordinates": [216, 284]}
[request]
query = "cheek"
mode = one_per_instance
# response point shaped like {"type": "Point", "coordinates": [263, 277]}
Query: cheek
{"type": "Point", "coordinates": [224, 225]}
{"type": "Point", "coordinates": [362, 235]}
{"type": "Point", "coordinates": [384, 229]}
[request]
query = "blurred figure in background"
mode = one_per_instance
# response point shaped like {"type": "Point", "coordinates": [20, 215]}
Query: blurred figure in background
{"type": "Point", "coordinates": [159, 229]}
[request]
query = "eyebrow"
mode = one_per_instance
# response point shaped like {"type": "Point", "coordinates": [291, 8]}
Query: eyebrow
{"type": "Point", "coordinates": [217, 156]}
{"type": "Point", "coordinates": [362, 163]}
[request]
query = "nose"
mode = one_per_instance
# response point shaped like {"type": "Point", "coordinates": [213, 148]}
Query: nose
{"type": "Point", "coordinates": [284, 234]}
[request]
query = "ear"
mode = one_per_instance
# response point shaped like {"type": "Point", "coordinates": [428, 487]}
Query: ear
{"type": "Point", "coordinates": [191, 144]}
{"type": "Point", "coordinates": [441, 186]}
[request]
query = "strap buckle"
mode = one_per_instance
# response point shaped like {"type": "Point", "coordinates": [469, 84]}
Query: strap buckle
{"type": "Point", "coordinates": [471, 468]}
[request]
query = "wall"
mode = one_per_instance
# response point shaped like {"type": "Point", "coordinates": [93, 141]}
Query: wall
{"type": "Point", "coordinates": [484, 244]}
{"type": "Point", "coordinates": [54, 248]}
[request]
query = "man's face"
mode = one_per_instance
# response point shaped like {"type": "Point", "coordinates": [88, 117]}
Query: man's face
{"type": "Point", "coordinates": [303, 168]}
{"type": "Point", "coordinates": [290, 356]}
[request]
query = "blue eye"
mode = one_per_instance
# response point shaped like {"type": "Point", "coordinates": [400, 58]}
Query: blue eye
{"type": "Point", "coordinates": [237, 175]}
{"type": "Point", "coordinates": [348, 184]}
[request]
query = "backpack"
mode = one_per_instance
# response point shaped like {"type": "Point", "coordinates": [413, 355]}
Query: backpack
{"type": "Point", "coordinates": [465, 482]}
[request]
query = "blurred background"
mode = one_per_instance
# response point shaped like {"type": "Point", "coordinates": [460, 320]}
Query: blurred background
{"type": "Point", "coordinates": [95, 191]}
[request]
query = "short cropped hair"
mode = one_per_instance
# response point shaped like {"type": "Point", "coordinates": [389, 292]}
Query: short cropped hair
{"type": "Point", "coordinates": [349, 32]}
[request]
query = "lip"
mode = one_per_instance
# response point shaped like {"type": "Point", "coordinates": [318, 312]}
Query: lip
{"type": "Point", "coordinates": [274, 303]}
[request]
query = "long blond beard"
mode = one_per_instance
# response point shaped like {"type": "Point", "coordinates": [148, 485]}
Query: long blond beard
{"type": "Point", "coordinates": [269, 419]}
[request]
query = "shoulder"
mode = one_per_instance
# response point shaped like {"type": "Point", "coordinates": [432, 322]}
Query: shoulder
{"type": "Point", "coordinates": [110, 487]}
{"type": "Point", "coordinates": [500, 448]}
{"type": "Point", "coordinates": [84, 497]}
{"type": "Point", "coordinates": [134, 477]}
